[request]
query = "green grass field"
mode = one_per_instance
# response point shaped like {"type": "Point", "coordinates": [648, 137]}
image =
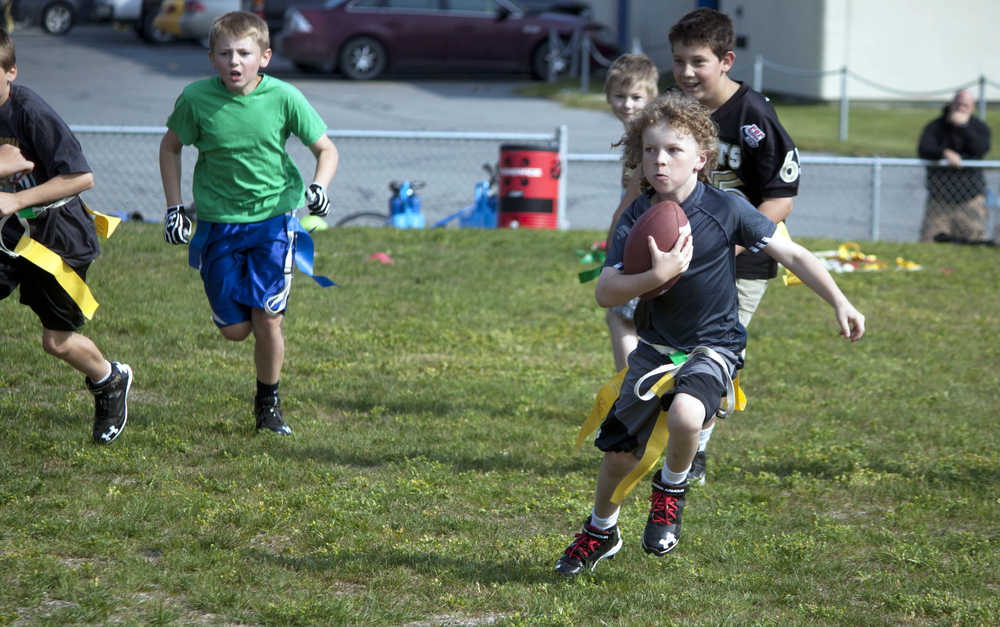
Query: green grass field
{"type": "Point", "coordinates": [887, 130]}
{"type": "Point", "coordinates": [431, 480]}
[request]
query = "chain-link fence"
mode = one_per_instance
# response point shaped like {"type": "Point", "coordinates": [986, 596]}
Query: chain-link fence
{"type": "Point", "coordinates": [839, 197]}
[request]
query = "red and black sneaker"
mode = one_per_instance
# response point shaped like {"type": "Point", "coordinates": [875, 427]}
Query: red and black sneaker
{"type": "Point", "coordinates": [663, 527]}
{"type": "Point", "coordinates": [590, 546]}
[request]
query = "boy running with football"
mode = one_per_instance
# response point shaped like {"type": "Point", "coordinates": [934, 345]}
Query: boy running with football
{"type": "Point", "coordinates": [674, 141]}
{"type": "Point", "coordinates": [246, 189]}
{"type": "Point", "coordinates": [757, 158]}
{"type": "Point", "coordinates": [631, 83]}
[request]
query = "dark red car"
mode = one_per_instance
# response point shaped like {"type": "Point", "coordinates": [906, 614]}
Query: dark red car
{"type": "Point", "coordinates": [364, 38]}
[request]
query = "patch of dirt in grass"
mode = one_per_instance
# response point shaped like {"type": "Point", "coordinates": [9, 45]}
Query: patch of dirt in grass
{"type": "Point", "coordinates": [457, 621]}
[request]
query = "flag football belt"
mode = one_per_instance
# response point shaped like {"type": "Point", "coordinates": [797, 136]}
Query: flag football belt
{"type": "Point", "coordinates": [46, 259]}
{"type": "Point", "coordinates": [304, 252]}
{"type": "Point", "coordinates": [609, 392]}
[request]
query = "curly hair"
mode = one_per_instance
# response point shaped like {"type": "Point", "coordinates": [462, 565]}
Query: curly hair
{"type": "Point", "coordinates": [681, 112]}
{"type": "Point", "coordinates": [240, 24]}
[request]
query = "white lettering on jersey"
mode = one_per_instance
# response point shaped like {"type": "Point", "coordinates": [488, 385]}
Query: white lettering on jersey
{"type": "Point", "coordinates": [730, 156]}
{"type": "Point", "coordinates": [790, 168]}
{"type": "Point", "coordinates": [728, 181]}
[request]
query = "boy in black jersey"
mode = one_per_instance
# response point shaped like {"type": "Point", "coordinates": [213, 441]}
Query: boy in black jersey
{"type": "Point", "coordinates": [757, 158]}
{"type": "Point", "coordinates": [58, 171]}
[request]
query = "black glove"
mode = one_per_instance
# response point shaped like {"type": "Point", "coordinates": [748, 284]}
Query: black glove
{"type": "Point", "coordinates": [317, 201]}
{"type": "Point", "coordinates": [176, 226]}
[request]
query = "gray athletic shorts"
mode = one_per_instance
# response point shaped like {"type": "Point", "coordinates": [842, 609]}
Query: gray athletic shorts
{"type": "Point", "coordinates": [630, 422]}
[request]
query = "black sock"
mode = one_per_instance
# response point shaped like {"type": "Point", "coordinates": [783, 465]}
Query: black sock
{"type": "Point", "coordinates": [266, 390]}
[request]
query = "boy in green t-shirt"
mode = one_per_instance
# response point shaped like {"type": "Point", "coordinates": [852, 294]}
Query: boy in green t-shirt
{"type": "Point", "coordinates": [246, 188]}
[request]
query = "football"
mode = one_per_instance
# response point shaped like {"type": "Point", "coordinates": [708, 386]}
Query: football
{"type": "Point", "coordinates": [665, 221]}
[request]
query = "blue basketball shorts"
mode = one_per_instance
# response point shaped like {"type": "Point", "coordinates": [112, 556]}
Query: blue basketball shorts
{"type": "Point", "coordinates": [247, 266]}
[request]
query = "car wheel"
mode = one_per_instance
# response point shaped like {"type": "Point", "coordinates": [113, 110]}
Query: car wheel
{"type": "Point", "coordinates": [540, 62]}
{"type": "Point", "coordinates": [362, 58]}
{"type": "Point", "coordinates": [57, 18]}
{"type": "Point", "coordinates": [151, 34]}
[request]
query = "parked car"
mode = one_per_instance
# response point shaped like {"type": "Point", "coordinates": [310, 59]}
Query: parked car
{"type": "Point", "coordinates": [56, 17]}
{"type": "Point", "coordinates": [138, 14]}
{"type": "Point", "coordinates": [557, 6]}
{"type": "Point", "coordinates": [364, 38]}
{"type": "Point", "coordinates": [192, 19]}
{"type": "Point", "coordinates": [273, 11]}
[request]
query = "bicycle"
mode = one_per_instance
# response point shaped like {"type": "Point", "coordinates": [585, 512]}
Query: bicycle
{"type": "Point", "coordinates": [483, 212]}
{"type": "Point", "coordinates": [404, 209]}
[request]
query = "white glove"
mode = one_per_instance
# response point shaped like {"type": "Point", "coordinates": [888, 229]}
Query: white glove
{"type": "Point", "coordinates": [176, 226]}
{"type": "Point", "coordinates": [317, 201]}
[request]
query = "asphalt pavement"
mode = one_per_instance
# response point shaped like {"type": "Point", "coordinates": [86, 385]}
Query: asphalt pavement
{"type": "Point", "coordinates": [97, 75]}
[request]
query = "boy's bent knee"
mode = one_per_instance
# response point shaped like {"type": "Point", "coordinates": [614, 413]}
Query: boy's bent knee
{"type": "Point", "coordinates": [236, 332]}
{"type": "Point", "coordinates": [686, 415]}
{"type": "Point", "coordinates": [55, 343]}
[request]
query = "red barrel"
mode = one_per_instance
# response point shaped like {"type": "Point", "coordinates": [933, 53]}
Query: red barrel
{"type": "Point", "coordinates": [529, 186]}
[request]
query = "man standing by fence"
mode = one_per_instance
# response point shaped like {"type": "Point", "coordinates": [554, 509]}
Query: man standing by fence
{"type": "Point", "coordinates": [956, 201]}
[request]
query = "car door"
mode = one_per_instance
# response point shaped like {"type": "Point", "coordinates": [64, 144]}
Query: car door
{"type": "Point", "coordinates": [486, 37]}
{"type": "Point", "coordinates": [412, 30]}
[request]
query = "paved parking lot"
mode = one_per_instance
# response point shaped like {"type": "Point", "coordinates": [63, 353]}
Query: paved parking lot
{"type": "Point", "coordinates": [100, 76]}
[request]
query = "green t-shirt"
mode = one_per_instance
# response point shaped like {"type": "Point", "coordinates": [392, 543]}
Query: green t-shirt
{"type": "Point", "coordinates": [243, 173]}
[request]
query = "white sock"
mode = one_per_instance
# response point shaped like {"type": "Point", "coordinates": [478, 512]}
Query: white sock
{"type": "Point", "coordinates": [669, 476]}
{"type": "Point", "coordinates": [704, 437]}
{"type": "Point", "coordinates": [604, 523]}
{"type": "Point", "coordinates": [107, 374]}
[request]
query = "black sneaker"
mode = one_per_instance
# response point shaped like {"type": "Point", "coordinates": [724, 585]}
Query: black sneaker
{"type": "Point", "coordinates": [268, 413]}
{"type": "Point", "coordinates": [697, 472]}
{"type": "Point", "coordinates": [663, 527]}
{"type": "Point", "coordinates": [111, 403]}
{"type": "Point", "coordinates": [590, 546]}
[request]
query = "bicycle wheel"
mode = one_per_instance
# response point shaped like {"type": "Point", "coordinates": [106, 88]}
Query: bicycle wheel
{"type": "Point", "coordinates": [364, 218]}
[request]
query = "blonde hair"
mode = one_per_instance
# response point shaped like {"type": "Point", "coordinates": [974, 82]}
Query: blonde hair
{"type": "Point", "coordinates": [681, 112]}
{"type": "Point", "coordinates": [632, 70]}
{"type": "Point", "coordinates": [240, 24]}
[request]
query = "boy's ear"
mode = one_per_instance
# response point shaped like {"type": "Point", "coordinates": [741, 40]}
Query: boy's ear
{"type": "Point", "coordinates": [265, 57]}
{"type": "Point", "coordinates": [728, 60]}
{"type": "Point", "coordinates": [702, 161]}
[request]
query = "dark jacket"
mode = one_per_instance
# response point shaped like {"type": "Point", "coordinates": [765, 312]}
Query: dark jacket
{"type": "Point", "coordinates": [972, 141]}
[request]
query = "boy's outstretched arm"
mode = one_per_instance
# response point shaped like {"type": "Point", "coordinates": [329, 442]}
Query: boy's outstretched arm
{"type": "Point", "coordinates": [56, 188]}
{"type": "Point", "coordinates": [170, 168]}
{"type": "Point", "coordinates": [176, 224]}
{"type": "Point", "coordinates": [614, 287]}
{"type": "Point", "coordinates": [808, 268]}
{"type": "Point", "coordinates": [327, 159]}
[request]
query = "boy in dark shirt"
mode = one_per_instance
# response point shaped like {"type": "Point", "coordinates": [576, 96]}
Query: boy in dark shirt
{"type": "Point", "coordinates": [59, 172]}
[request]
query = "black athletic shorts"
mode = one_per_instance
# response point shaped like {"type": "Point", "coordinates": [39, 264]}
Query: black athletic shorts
{"type": "Point", "coordinates": [630, 422]}
{"type": "Point", "coordinates": [40, 291]}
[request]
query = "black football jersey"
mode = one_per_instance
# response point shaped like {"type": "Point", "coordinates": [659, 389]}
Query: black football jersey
{"type": "Point", "coordinates": [757, 160]}
{"type": "Point", "coordinates": [28, 122]}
